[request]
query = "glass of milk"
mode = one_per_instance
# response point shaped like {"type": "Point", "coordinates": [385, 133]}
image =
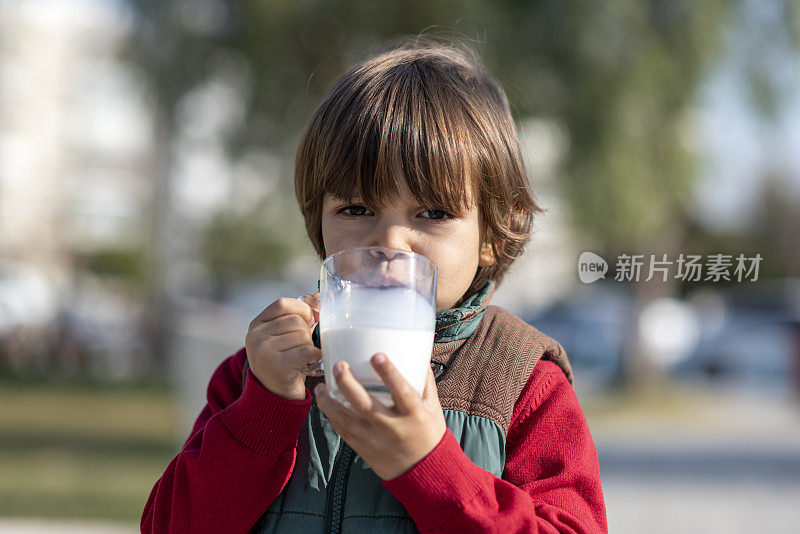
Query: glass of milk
{"type": "Point", "coordinates": [377, 299]}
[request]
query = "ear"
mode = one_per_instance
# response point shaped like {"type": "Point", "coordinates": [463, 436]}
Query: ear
{"type": "Point", "coordinates": [487, 257]}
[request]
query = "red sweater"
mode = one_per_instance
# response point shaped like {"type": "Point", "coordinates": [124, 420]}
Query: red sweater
{"type": "Point", "coordinates": [241, 453]}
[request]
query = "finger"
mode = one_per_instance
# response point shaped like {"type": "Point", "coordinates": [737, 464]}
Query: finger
{"type": "Point", "coordinates": [290, 340]}
{"type": "Point", "coordinates": [313, 301]}
{"type": "Point", "coordinates": [282, 325]}
{"type": "Point", "coordinates": [284, 306]}
{"type": "Point", "coordinates": [340, 416]}
{"type": "Point", "coordinates": [362, 402]}
{"type": "Point", "coordinates": [301, 357]}
{"type": "Point", "coordinates": [405, 398]}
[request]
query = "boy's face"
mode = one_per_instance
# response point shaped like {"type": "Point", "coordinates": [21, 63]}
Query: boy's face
{"type": "Point", "coordinates": [451, 241]}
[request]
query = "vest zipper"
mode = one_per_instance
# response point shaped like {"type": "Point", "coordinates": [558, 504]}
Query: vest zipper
{"type": "Point", "coordinates": [337, 489]}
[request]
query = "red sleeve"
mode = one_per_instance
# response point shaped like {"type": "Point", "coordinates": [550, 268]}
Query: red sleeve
{"type": "Point", "coordinates": [236, 461]}
{"type": "Point", "coordinates": [551, 481]}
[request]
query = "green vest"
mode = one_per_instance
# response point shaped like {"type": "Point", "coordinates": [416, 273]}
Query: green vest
{"type": "Point", "coordinates": [331, 489]}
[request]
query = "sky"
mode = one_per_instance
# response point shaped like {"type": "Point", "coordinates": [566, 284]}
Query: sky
{"type": "Point", "coordinates": [737, 145]}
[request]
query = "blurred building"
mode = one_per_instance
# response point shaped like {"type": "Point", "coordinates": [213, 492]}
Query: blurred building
{"type": "Point", "coordinates": [74, 148]}
{"type": "Point", "coordinates": [90, 195]}
{"type": "Point", "coordinates": [75, 132]}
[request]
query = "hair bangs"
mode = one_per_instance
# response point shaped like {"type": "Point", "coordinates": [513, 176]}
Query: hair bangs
{"type": "Point", "coordinates": [396, 129]}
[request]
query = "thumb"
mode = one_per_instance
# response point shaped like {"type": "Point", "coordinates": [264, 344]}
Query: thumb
{"type": "Point", "coordinates": [313, 302]}
{"type": "Point", "coordinates": [312, 299]}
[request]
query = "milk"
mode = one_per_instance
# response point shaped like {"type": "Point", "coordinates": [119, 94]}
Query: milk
{"type": "Point", "coordinates": [408, 350]}
{"type": "Point", "coordinates": [396, 321]}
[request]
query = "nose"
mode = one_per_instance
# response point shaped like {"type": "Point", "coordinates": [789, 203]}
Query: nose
{"type": "Point", "coordinates": [393, 240]}
{"type": "Point", "coordinates": [391, 235]}
{"type": "Point", "coordinates": [390, 267]}
{"type": "Point", "coordinates": [386, 254]}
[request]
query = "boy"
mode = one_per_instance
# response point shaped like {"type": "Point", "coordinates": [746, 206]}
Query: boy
{"type": "Point", "coordinates": [414, 149]}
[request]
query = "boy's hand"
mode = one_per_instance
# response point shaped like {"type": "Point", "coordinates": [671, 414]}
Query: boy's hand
{"type": "Point", "coordinates": [279, 345]}
{"type": "Point", "coordinates": [390, 440]}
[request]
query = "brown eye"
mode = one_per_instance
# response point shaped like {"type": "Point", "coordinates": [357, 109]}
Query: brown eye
{"type": "Point", "coordinates": [437, 215]}
{"type": "Point", "coordinates": [352, 211]}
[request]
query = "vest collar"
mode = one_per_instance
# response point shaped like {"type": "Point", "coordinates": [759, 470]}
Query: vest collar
{"type": "Point", "coordinates": [459, 323]}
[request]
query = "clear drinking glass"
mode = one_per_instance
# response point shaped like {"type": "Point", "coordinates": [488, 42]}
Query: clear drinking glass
{"type": "Point", "coordinates": [377, 299]}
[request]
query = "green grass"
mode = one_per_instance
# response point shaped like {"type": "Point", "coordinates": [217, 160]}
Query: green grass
{"type": "Point", "coordinates": [82, 453]}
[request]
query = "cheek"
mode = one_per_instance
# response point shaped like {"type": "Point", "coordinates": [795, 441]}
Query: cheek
{"type": "Point", "coordinates": [334, 239]}
{"type": "Point", "coordinates": [456, 263]}
{"type": "Point", "coordinates": [329, 242]}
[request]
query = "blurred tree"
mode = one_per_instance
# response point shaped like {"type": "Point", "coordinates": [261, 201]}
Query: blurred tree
{"type": "Point", "coordinates": [777, 221]}
{"type": "Point", "coordinates": [772, 233]}
{"type": "Point", "coordinates": [123, 263]}
{"type": "Point", "coordinates": [235, 247]}
{"type": "Point", "coordinates": [620, 77]}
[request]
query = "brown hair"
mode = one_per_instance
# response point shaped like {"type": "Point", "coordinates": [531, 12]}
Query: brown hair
{"type": "Point", "coordinates": [429, 114]}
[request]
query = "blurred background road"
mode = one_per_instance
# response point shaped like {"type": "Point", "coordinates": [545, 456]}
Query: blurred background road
{"type": "Point", "coordinates": [677, 460]}
{"type": "Point", "coordinates": [699, 464]}
{"type": "Point", "coordinates": [147, 215]}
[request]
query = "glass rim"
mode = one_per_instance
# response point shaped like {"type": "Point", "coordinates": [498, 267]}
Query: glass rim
{"type": "Point", "coordinates": [433, 271]}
